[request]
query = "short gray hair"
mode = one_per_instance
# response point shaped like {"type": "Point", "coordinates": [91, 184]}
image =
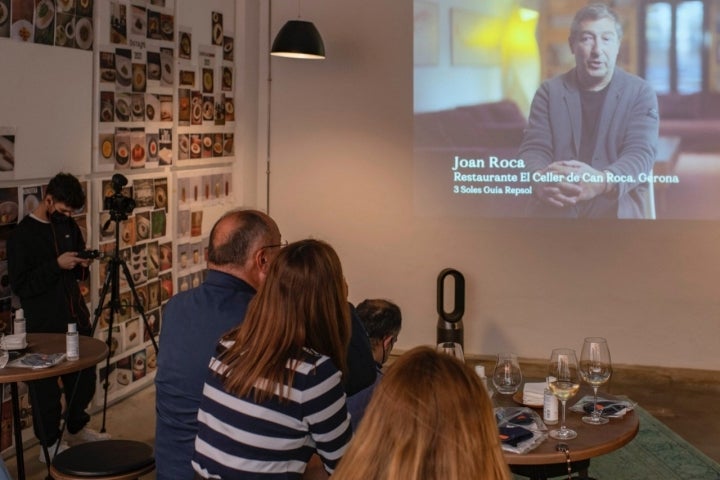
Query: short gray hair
{"type": "Point", "coordinates": [250, 227]}
{"type": "Point", "coordinates": [594, 11]}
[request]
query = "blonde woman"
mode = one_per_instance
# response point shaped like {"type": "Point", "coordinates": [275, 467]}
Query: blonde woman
{"type": "Point", "coordinates": [429, 419]}
{"type": "Point", "coordinates": [274, 396]}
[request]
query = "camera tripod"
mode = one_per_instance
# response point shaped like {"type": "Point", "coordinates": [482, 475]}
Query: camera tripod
{"type": "Point", "coordinates": [112, 284]}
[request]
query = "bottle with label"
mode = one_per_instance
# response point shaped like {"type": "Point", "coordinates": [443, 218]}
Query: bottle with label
{"type": "Point", "coordinates": [550, 408]}
{"type": "Point", "coordinates": [19, 322]}
{"type": "Point", "coordinates": [72, 342]}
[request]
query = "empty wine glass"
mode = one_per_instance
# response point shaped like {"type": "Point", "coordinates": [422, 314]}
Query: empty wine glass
{"type": "Point", "coordinates": [563, 382]}
{"type": "Point", "coordinates": [595, 369]}
{"type": "Point", "coordinates": [507, 375]}
{"type": "Point", "coordinates": [453, 349]}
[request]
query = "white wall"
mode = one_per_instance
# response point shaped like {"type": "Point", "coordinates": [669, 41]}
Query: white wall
{"type": "Point", "coordinates": [50, 106]}
{"type": "Point", "coordinates": [341, 150]}
{"type": "Point", "coordinates": [342, 171]}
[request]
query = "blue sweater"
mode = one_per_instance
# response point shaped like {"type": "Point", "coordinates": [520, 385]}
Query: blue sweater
{"type": "Point", "coordinates": [193, 321]}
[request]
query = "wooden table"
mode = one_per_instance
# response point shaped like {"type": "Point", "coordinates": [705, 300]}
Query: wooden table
{"type": "Point", "coordinates": [591, 441]}
{"type": "Point", "coordinates": [92, 351]}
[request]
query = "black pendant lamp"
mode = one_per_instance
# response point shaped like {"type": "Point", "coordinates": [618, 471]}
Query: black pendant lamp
{"type": "Point", "coordinates": [298, 39]}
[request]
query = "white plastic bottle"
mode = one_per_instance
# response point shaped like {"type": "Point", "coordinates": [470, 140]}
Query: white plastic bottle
{"type": "Point", "coordinates": [72, 342]}
{"type": "Point", "coordinates": [19, 322]}
{"type": "Point", "coordinates": [480, 371]}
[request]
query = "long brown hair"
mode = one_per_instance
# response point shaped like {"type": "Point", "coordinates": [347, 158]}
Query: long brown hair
{"type": "Point", "coordinates": [429, 419]}
{"type": "Point", "coordinates": [301, 304]}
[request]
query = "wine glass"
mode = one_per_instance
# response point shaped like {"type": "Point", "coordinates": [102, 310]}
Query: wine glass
{"type": "Point", "coordinates": [453, 349]}
{"type": "Point", "coordinates": [563, 382]}
{"type": "Point", "coordinates": [595, 369]}
{"type": "Point", "coordinates": [4, 355]}
{"type": "Point", "coordinates": [507, 375]}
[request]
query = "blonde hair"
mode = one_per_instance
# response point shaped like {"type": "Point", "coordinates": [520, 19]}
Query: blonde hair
{"type": "Point", "coordinates": [430, 418]}
{"type": "Point", "coordinates": [302, 304]}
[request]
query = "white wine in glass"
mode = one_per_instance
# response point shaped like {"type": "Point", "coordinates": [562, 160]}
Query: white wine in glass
{"type": "Point", "coordinates": [564, 383]}
{"type": "Point", "coordinates": [595, 369]}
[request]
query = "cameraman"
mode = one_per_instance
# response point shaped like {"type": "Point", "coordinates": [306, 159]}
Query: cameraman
{"type": "Point", "coordinates": [44, 271]}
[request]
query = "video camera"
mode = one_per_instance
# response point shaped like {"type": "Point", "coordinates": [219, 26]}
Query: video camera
{"type": "Point", "coordinates": [119, 205]}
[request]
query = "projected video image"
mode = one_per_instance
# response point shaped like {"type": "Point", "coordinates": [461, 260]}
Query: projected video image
{"type": "Point", "coordinates": [567, 109]}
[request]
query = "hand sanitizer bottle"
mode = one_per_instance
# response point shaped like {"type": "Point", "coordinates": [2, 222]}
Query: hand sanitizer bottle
{"type": "Point", "coordinates": [72, 342]}
{"type": "Point", "coordinates": [19, 322]}
{"type": "Point", "coordinates": [480, 371]}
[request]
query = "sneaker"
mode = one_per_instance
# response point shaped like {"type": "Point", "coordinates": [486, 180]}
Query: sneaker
{"type": "Point", "coordinates": [51, 451]}
{"type": "Point", "coordinates": [85, 435]}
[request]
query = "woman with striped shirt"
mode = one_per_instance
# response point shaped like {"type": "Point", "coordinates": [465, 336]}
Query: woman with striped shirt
{"type": "Point", "coordinates": [273, 395]}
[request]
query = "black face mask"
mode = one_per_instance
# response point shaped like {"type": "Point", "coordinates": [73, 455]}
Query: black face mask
{"type": "Point", "coordinates": [59, 218]}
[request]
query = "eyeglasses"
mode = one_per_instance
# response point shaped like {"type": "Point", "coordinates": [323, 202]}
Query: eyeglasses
{"type": "Point", "coordinates": [276, 245]}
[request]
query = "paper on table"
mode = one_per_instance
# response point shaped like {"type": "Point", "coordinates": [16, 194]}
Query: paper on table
{"type": "Point", "coordinates": [17, 341]}
{"type": "Point", "coordinates": [534, 393]}
{"type": "Point", "coordinates": [38, 360]}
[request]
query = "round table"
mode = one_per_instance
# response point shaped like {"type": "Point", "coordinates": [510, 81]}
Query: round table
{"type": "Point", "coordinates": [547, 461]}
{"type": "Point", "coordinates": [591, 441]}
{"type": "Point", "coordinates": [92, 351]}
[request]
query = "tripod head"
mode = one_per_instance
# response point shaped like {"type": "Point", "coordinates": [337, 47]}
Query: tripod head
{"type": "Point", "coordinates": [119, 205]}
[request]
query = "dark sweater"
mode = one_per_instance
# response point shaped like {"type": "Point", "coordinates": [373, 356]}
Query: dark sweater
{"type": "Point", "coordinates": [49, 295]}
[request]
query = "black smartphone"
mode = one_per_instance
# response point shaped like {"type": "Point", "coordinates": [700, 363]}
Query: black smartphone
{"type": "Point", "coordinates": [90, 254]}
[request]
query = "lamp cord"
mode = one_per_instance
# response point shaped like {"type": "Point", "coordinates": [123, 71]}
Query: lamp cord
{"type": "Point", "coordinates": [269, 109]}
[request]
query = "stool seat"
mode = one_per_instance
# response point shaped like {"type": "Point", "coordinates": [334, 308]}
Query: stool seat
{"type": "Point", "coordinates": [104, 459]}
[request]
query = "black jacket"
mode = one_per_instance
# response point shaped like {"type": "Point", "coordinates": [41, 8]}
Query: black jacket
{"type": "Point", "coordinates": [49, 295]}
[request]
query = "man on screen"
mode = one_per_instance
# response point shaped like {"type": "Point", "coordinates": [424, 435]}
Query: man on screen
{"type": "Point", "coordinates": [592, 132]}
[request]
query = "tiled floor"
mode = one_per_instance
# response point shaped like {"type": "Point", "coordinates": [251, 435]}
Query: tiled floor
{"type": "Point", "coordinates": [686, 407]}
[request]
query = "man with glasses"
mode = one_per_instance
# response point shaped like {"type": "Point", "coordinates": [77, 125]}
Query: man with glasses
{"type": "Point", "coordinates": [44, 269]}
{"type": "Point", "coordinates": [242, 245]}
{"type": "Point", "coordinates": [382, 321]}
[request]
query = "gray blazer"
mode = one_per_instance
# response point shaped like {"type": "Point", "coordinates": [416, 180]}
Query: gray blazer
{"type": "Point", "coordinates": [626, 140]}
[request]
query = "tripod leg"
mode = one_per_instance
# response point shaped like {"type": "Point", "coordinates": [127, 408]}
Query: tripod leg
{"type": "Point", "coordinates": [111, 283]}
{"type": "Point", "coordinates": [101, 300]}
{"type": "Point", "coordinates": [138, 304]}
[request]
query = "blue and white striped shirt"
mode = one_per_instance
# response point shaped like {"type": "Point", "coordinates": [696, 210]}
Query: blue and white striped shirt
{"type": "Point", "coordinates": [239, 438]}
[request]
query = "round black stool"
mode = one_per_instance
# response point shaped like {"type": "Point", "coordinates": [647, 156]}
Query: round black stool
{"type": "Point", "coordinates": [104, 460]}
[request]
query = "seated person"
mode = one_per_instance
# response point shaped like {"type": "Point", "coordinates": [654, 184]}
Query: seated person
{"type": "Point", "coordinates": [242, 245]}
{"type": "Point", "coordinates": [382, 321]}
{"type": "Point", "coordinates": [273, 395]}
{"type": "Point", "coordinates": [429, 419]}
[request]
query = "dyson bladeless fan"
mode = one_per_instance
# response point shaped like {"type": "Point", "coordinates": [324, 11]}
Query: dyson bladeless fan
{"type": "Point", "coordinates": [449, 324]}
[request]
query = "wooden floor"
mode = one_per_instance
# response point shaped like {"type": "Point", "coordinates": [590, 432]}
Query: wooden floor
{"type": "Point", "coordinates": [680, 399]}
